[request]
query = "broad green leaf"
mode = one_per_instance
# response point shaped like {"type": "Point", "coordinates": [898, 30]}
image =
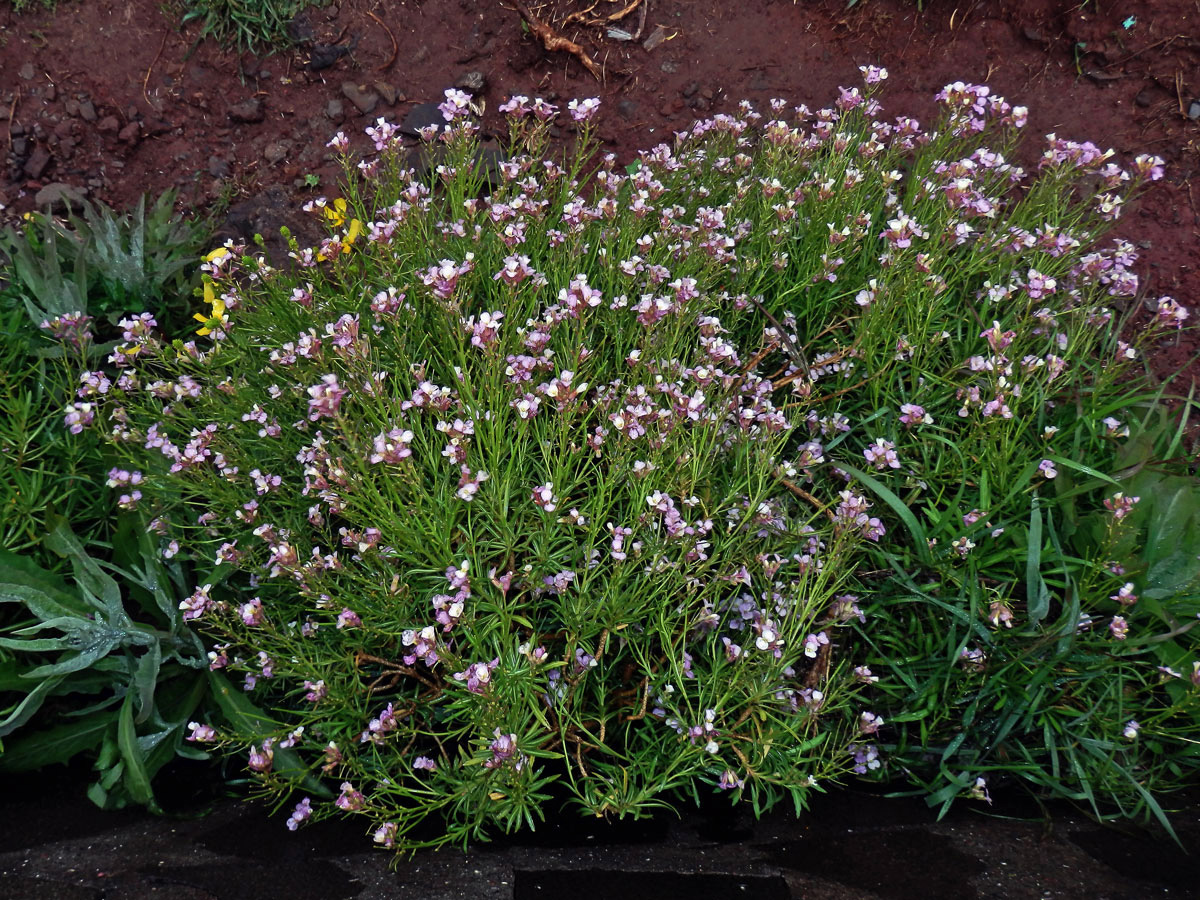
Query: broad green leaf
{"type": "Point", "coordinates": [87, 571]}
{"type": "Point", "coordinates": [59, 744]}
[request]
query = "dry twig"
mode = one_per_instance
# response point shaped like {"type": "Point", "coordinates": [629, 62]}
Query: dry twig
{"type": "Point", "coordinates": [553, 41]}
{"type": "Point", "coordinates": [146, 80]}
{"type": "Point", "coordinates": [395, 47]}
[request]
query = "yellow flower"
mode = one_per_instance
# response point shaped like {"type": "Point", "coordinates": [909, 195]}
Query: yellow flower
{"type": "Point", "coordinates": [336, 214]}
{"type": "Point", "coordinates": [217, 319]}
{"type": "Point", "coordinates": [217, 254]}
{"type": "Point", "coordinates": [352, 234]}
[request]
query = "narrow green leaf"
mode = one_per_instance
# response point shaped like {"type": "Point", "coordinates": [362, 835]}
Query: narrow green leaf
{"type": "Point", "coordinates": [1036, 592]}
{"type": "Point", "coordinates": [136, 781]}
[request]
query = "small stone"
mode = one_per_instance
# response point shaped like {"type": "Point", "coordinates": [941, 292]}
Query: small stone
{"type": "Point", "coordinates": [130, 133]}
{"type": "Point", "coordinates": [87, 111]}
{"type": "Point", "coordinates": [473, 82]}
{"type": "Point", "coordinates": [26, 71]}
{"type": "Point", "coordinates": [38, 162]}
{"type": "Point", "coordinates": [217, 167]}
{"type": "Point", "coordinates": [706, 93]}
{"type": "Point", "coordinates": [391, 96]}
{"type": "Point", "coordinates": [334, 110]}
{"type": "Point", "coordinates": [669, 66]}
{"type": "Point", "coordinates": [691, 88]}
{"type": "Point", "coordinates": [364, 100]}
{"type": "Point", "coordinates": [60, 196]}
{"type": "Point", "coordinates": [277, 152]}
{"type": "Point", "coordinates": [71, 107]}
{"type": "Point", "coordinates": [1194, 109]}
{"type": "Point", "coordinates": [419, 116]}
{"type": "Point", "coordinates": [51, 93]}
{"type": "Point", "coordinates": [108, 125]}
{"type": "Point", "coordinates": [1144, 98]}
{"type": "Point", "coordinates": [626, 108]}
{"type": "Point", "coordinates": [248, 112]}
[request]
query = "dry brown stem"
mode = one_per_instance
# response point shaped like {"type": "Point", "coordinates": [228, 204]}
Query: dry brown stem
{"type": "Point", "coordinates": [553, 41]}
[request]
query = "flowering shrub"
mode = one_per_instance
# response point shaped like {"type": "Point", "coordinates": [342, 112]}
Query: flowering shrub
{"type": "Point", "coordinates": [572, 483]}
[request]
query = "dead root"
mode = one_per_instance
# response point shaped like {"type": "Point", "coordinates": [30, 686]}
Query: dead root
{"type": "Point", "coordinates": [553, 41]}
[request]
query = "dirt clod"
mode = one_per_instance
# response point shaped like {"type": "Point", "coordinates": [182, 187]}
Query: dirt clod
{"type": "Point", "coordinates": [248, 112]}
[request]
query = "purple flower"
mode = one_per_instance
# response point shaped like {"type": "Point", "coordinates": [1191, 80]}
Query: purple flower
{"type": "Point", "coordinates": [456, 105]}
{"type": "Point", "coordinates": [730, 781]}
{"type": "Point", "coordinates": [386, 834]}
{"type": "Point", "coordinates": [79, 416]}
{"type": "Point", "coordinates": [882, 454]}
{"type": "Point", "coordinates": [350, 799]}
{"type": "Point", "coordinates": [425, 763]}
{"type": "Point", "coordinates": [503, 748]}
{"type": "Point", "coordinates": [316, 691]}
{"type": "Point", "coordinates": [477, 675]}
{"type": "Point", "coordinates": [1046, 467]}
{"type": "Point", "coordinates": [262, 761]}
{"type": "Point", "coordinates": [301, 813]}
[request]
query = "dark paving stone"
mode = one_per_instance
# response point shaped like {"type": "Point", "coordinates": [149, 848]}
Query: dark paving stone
{"type": "Point", "coordinates": [594, 884]}
{"type": "Point", "coordinates": [231, 881]}
{"type": "Point", "coordinates": [878, 862]}
{"type": "Point", "coordinates": [21, 887]}
{"type": "Point", "coordinates": [1140, 858]}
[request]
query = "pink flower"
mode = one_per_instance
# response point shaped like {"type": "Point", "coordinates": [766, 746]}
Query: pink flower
{"type": "Point", "coordinates": [882, 455]}
{"type": "Point", "coordinates": [583, 110]}
{"type": "Point", "coordinates": [1118, 627]}
{"type": "Point", "coordinates": [201, 733]}
{"type": "Point", "coordinates": [543, 496]}
{"type": "Point", "coordinates": [326, 398]}
{"type": "Point", "coordinates": [1046, 467]}
{"type": "Point", "coordinates": [348, 618]}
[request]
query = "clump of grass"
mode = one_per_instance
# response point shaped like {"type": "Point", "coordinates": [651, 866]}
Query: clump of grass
{"type": "Point", "coordinates": [594, 479]}
{"type": "Point", "coordinates": [246, 24]}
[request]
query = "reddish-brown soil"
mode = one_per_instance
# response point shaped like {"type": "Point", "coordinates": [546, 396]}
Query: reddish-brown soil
{"type": "Point", "coordinates": [110, 96]}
